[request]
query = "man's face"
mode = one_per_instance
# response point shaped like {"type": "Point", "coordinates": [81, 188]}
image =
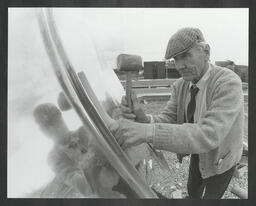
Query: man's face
{"type": "Point", "coordinates": [56, 132]}
{"type": "Point", "coordinates": [192, 64]}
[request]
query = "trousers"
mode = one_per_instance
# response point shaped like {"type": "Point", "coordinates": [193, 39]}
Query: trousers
{"type": "Point", "coordinates": [208, 188]}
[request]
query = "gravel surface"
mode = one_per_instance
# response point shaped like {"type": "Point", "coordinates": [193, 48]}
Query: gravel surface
{"type": "Point", "coordinates": [166, 182]}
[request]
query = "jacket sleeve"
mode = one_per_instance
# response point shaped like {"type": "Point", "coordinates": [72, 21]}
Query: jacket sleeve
{"type": "Point", "coordinates": [225, 106]}
{"type": "Point", "coordinates": [169, 113]}
{"type": "Point", "coordinates": [68, 171]}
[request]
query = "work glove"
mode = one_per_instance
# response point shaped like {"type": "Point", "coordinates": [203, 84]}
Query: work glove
{"type": "Point", "coordinates": [130, 133]}
{"type": "Point", "coordinates": [135, 113]}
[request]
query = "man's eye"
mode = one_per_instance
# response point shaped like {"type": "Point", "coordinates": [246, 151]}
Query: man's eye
{"type": "Point", "coordinates": [181, 56]}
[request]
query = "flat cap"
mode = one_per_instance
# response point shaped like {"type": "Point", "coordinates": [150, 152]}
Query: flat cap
{"type": "Point", "coordinates": [182, 41]}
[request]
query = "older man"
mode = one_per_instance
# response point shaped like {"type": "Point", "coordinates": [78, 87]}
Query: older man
{"type": "Point", "coordinates": [204, 117]}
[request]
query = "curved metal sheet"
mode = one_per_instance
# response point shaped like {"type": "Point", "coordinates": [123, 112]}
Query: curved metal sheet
{"type": "Point", "coordinates": [109, 146]}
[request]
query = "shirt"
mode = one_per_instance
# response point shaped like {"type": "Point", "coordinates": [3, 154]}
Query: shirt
{"type": "Point", "coordinates": [200, 97]}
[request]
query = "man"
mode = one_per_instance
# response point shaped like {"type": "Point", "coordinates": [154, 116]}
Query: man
{"type": "Point", "coordinates": [204, 117]}
{"type": "Point", "coordinates": [64, 156]}
{"type": "Point", "coordinates": [75, 162]}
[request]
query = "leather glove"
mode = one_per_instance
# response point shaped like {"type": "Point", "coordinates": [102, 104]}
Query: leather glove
{"type": "Point", "coordinates": [130, 133]}
{"type": "Point", "coordinates": [135, 113]}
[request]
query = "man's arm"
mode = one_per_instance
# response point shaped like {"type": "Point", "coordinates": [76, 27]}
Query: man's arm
{"type": "Point", "coordinates": [225, 107]}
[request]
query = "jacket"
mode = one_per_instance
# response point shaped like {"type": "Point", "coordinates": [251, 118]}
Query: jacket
{"type": "Point", "coordinates": [217, 136]}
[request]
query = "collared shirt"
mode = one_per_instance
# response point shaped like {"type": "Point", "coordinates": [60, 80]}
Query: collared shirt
{"type": "Point", "coordinates": [200, 97]}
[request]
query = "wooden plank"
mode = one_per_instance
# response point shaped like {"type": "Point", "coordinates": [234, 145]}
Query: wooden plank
{"type": "Point", "coordinates": [152, 90]}
{"type": "Point", "coordinates": [147, 83]}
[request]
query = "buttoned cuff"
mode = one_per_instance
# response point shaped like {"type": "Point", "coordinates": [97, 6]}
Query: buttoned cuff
{"type": "Point", "coordinates": [161, 137]}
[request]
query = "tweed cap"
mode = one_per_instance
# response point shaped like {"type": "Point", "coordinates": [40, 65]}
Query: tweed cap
{"type": "Point", "coordinates": [182, 41]}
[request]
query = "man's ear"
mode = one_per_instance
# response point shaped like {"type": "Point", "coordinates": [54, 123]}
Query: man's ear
{"type": "Point", "coordinates": [207, 51]}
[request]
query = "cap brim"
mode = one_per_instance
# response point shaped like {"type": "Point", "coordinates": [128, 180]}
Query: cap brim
{"type": "Point", "coordinates": [180, 52]}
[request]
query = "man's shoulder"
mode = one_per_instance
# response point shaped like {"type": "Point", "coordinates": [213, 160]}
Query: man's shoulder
{"type": "Point", "coordinates": [180, 83]}
{"type": "Point", "coordinates": [225, 80]}
{"type": "Point", "coordinates": [222, 72]}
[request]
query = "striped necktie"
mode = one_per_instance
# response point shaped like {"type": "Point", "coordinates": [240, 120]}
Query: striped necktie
{"type": "Point", "coordinates": [192, 104]}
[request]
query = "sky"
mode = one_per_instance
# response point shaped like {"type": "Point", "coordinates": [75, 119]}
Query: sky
{"type": "Point", "coordinates": [146, 31]}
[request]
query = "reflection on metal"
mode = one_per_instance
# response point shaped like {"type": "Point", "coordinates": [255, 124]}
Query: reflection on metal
{"type": "Point", "coordinates": [73, 89]}
{"type": "Point", "coordinates": [96, 103]}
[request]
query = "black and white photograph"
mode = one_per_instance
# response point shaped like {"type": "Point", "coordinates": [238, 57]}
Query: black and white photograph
{"type": "Point", "coordinates": [132, 103]}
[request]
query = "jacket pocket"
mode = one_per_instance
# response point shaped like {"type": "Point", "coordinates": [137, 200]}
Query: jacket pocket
{"type": "Point", "coordinates": [220, 160]}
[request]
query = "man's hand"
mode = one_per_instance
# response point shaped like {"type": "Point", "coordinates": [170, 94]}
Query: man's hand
{"type": "Point", "coordinates": [130, 133]}
{"type": "Point", "coordinates": [136, 112]}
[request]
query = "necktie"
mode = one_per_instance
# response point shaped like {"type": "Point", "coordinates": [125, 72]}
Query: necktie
{"type": "Point", "coordinates": [192, 104]}
{"type": "Point", "coordinates": [190, 112]}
